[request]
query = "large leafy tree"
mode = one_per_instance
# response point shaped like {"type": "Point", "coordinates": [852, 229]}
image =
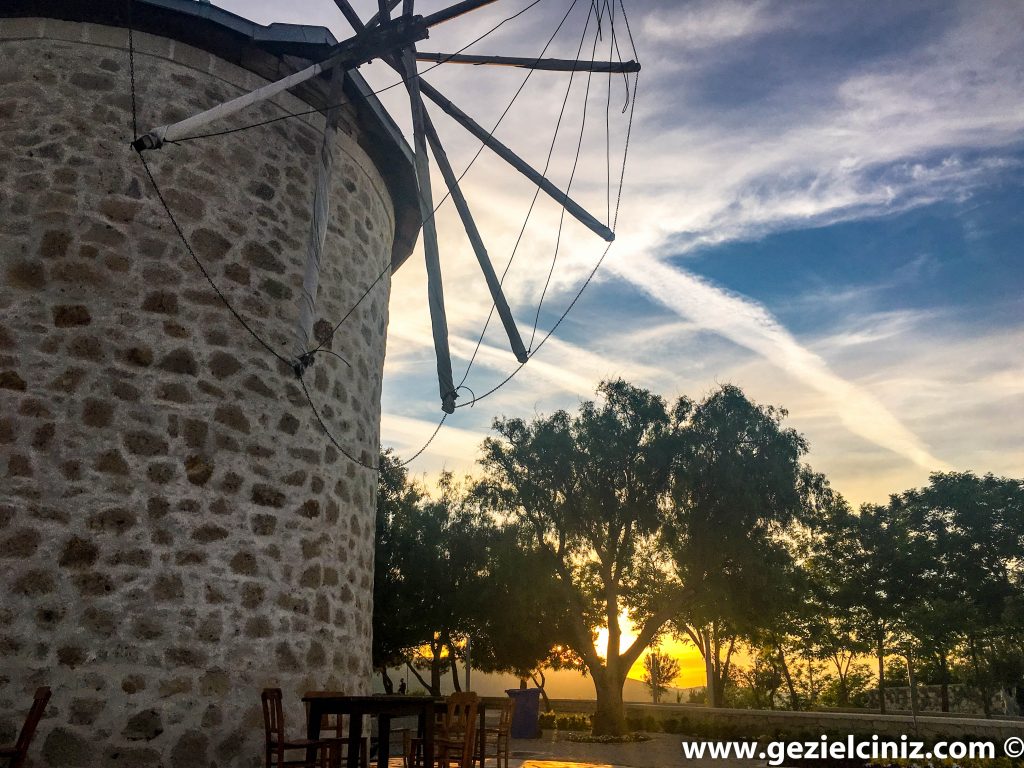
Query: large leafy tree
{"type": "Point", "coordinates": [650, 512]}
{"type": "Point", "coordinates": [975, 529]}
{"type": "Point", "coordinates": [739, 490]}
{"type": "Point", "coordinates": [591, 490]}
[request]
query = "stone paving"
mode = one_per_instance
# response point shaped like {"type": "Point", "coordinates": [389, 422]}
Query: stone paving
{"type": "Point", "coordinates": [663, 750]}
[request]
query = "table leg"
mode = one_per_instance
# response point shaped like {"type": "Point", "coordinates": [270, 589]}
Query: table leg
{"type": "Point", "coordinates": [313, 717]}
{"type": "Point", "coordinates": [483, 735]}
{"type": "Point", "coordinates": [355, 739]}
{"type": "Point", "coordinates": [427, 726]}
{"type": "Point", "coordinates": [383, 740]}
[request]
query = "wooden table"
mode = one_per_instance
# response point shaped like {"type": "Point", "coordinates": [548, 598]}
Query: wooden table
{"type": "Point", "coordinates": [383, 708]}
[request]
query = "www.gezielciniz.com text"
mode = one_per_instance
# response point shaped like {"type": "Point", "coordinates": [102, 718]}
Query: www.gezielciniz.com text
{"type": "Point", "coordinates": [779, 753]}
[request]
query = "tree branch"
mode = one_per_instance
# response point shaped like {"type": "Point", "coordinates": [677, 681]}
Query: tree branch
{"type": "Point", "coordinates": [655, 623]}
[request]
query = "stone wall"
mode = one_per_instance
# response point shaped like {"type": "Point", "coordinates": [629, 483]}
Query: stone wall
{"type": "Point", "coordinates": [176, 533]}
{"type": "Point", "coordinates": [962, 699]}
{"type": "Point", "coordinates": [751, 723]}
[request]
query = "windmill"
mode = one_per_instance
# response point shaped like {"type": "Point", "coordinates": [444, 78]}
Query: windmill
{"type": "Point", "coordinates": [393, 41]}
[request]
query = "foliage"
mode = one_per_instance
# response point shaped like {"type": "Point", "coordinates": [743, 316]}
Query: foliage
{"type": "Point", "coordinates": [564, 722]}
{"type": "Point", "coordinates": [590, 490]}
{"type": "Point", "coordinates": [398, 623]}
{"type": "Point", "coordinates": [626, 738]}
{"type": "Point", "coordinates": [430, 573]}
{"type": "Point", "coordinates": [660, 670]}
{"type": "Point", "coordinates": [738, 491]}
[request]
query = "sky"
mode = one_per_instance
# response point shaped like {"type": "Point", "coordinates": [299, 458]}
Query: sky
{"type": "Point", "coordinates": [822, 204]}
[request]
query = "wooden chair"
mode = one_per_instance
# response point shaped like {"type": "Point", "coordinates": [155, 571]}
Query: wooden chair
{"type": "Point", "coordinates": [332, 728]}
{"type": "Point", "coordinates": [326, 754]}
{"type": "Point", "coordinates": [456, 740]}
{"type": "Point", "coordinates": [16, 754]}
{"type": "Point", "coordinates": [500, 736]}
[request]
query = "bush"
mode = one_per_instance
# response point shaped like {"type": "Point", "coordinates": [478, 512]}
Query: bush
{"type": "Point", "coordinates": [565, 721]}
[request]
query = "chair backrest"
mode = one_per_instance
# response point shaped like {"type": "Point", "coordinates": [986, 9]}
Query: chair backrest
{"type": "Point", "coordinates": [273, 715]}
{"type": "Point", "coordinates": [508, 706]}
{"type": "Point", "coordinates": [28, 730]}
{"type": "Point", "coordinates": [460, 721]}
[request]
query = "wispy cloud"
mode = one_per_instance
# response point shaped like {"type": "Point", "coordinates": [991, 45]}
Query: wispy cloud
{"type": "Point", "coordinates": [750, 325]}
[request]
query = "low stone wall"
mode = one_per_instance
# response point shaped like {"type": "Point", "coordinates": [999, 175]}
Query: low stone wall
{"type": "Point", "coordinates": [962, 700]}
{"type": "Point", "coordinates": [756, 723]}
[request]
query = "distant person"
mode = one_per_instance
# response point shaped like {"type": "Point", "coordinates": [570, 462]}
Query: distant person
{"type": "Point", "coordinates": [401, 687]}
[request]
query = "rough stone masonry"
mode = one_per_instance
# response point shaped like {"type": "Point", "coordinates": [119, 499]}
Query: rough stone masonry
{"type": "Point", "coordinates": [176, 533]}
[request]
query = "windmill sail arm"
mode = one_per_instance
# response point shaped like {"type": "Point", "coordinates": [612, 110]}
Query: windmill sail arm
{"type": "Point", "coordinates": [493, 284]}
{"type": "Point", "coordinates": [435, 287]}
{"type": "Point", "coordinates": [349, 53]}
{"type": "Point", "coordinates": [454, 11]}
{"type": "Point", "coordinates": [551, 65]}
{"type": "Point", "coordinates": [506, 154]}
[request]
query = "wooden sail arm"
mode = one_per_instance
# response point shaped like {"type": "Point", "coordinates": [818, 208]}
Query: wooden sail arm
{"type": "Point", "coordinates": [385, 7]}
{"type": "Point", "coordinates": [493, 284]}
{"type": "Point", "coordinates": [435, 288]}
{"type": "Point", "coordinates": [506, 154]}
{"type": "Point", "coordinates": [550, 65]}
{"type": "Point", "coordinates": [454, 11]}
{"type": "Point", "coordinates": [364, 46]}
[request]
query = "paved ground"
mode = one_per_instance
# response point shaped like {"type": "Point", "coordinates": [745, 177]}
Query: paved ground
{"type": "Point", "coordinates": [662, 751]}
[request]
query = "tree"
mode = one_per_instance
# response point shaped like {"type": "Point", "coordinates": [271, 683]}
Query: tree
{"type": "Point", "coordinates": [398, 622]}
{"type": "Point", "coordinates": [660, 670]}
{"type": "Point", "coordinates": [738, 491]}
{"type": "Point", "coordinates": [876, 563]}
{"type": "Point", "coordinates": [591, 490]}
{"type": "Point", "coordinates": [430, 574]}
{"type": "Point", "coordinates": [975, 528]}
{"type": "Point", "coordinates": [762, 680]}
{"type": "Point", "coordinates": [521, 627]}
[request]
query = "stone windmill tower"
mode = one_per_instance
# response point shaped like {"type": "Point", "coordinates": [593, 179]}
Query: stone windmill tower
{"type": "Point", "coordinates": [175, 531]}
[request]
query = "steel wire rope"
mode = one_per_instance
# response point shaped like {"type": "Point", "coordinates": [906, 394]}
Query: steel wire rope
{"type": "Point", "coordinates": [590, 277]}
{"type": "Point", "coordinates": [572, 176]}
{"type": "Point", "coordinates": [238, 317]}
{"type": "Point", "coordinates": [536, 195]}
{"type": "Point", "coordinates": [459, 178]}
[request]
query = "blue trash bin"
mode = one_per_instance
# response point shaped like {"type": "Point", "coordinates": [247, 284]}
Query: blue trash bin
{"type": "Point", "coordinates": [526, 715]}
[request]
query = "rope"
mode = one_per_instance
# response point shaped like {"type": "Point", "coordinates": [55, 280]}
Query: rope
{"type": "Point", "coordinates": [572, 176]}
{"type": "Point", "coordinates": [536, 194]}
{"type": "Point", "coordinates": [131, 71]}
{"type": "Point", "coordinates": [590, 277]}
{"type": "Point", "coordinates": [241, 320]}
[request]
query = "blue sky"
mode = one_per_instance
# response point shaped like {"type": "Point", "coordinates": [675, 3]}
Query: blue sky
{"type": "Point", "coordinates": [822, 205]}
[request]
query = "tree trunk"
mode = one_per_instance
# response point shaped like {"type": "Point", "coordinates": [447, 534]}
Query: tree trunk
{"type": "Point", "coordinates": [794, 697]}
{"type": "Point", "coordinates": [543, 693]}
{"type": "Point", "coordinates": [455, 671]}
{"type": "Point", "coordinates": [435, 669]}
{"type": "Point", "coordinates": [944, 670]}
{"type": "Point", "coordinates": [881, 674]}
{"type": "Point", "coordinates": [912, 682]}
{"type": "Point", "coordinates": [385, 678]}
{"type": "Point", "coordinates": [418, 676]}
{"type": "Point", "coordinates": [710, 689]}
{"type": "Point", "coordinates": [610, 715]}
{"type": "Point", "coordinates": [981, 680]}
